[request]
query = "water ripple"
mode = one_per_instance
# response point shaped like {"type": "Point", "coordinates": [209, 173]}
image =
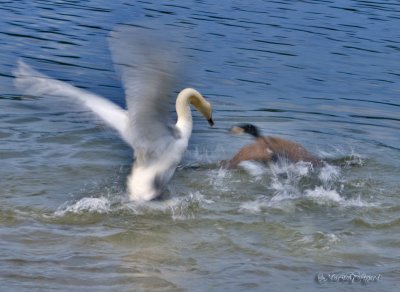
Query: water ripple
{"type": "Point", "coordinates": [322, 73]}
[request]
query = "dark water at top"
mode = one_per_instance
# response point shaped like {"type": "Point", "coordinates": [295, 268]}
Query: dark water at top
{"type": "Point", "coordinates": [323, 73]}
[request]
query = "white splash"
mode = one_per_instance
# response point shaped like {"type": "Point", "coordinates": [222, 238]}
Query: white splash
{"type": "Point", "coordinates": [180, 208]}
{"type": "Point", "coordinates": [286, 180]}
{"type": "Point", "coordinates": [286, 184]}
{"type": "Point", "coordinates": [255, 169]}
{"type": "Point", "coordinates": [183, 208]}
{"type": "Point", "coordinates": [322, 195]}
{"type": "Point", "coordinates": [329, 173]}
{"type": "Point", "coordinates": [219, 179]}
{"type": "Point", "coordinates": [204, 156]}
{"type": "Point", "coordinates": [254, 206]}
{"type": "Point", "coordinates": [292, 170]}
{"type": "Point", "coordinates": [95, 205]}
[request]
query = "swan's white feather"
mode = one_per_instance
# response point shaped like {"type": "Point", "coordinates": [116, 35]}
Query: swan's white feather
{"type": "Point", "coordinates": [147, 72]}
{"type": "Point", "coordinates": [34, 83]}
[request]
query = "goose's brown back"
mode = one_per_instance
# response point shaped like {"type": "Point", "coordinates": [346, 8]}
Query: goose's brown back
{"type": "Point", "coordinates": [269, 148]}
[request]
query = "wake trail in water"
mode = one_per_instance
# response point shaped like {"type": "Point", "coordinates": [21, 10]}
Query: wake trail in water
{"type": "Point", "coordinates": [282, 183]}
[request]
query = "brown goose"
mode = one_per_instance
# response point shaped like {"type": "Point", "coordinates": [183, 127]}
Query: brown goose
{"type": "Point", "coordinates": [268, 148]}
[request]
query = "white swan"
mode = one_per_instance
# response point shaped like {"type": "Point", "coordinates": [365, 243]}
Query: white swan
{"type": "Point", "coordinates": [158, 146]}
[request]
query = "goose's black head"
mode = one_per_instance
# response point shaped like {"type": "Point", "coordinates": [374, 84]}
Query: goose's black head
{"type": "Point", "coordinates": [246, 128]}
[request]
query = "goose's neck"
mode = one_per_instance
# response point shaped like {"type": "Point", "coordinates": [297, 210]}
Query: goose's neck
{"type": "Point", "coordinates": [185, 122]}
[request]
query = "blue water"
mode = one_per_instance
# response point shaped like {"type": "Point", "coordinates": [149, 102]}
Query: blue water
{"type": "Point", "coordinates": [322, 73]}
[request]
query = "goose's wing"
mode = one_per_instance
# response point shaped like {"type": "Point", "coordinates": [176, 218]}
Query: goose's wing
{"type": "Point", "coordinates": [147, 70]}
{"type": "Point", "coordinates": [32, 82]}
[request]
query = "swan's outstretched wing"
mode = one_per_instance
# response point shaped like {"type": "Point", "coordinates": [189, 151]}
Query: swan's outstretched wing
{"type": "Point", "coordinates": [32, 82]}
{"type": "Point", "coordinates": [146, 66]}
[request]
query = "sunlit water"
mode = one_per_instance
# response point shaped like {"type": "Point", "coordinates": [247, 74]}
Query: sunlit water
{"type": "Point", "coordinates": [323, 73]}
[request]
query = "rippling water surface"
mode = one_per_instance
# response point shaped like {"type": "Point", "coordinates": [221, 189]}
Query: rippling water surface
{"type": "Point", "coordinates": [323, 73]}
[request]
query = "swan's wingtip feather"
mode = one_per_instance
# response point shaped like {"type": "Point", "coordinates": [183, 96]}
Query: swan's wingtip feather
{"type": "Point", "coordinates": [20, 68]}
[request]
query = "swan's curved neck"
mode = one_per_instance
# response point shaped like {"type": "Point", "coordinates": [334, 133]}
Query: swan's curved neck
{"type": "Point", "coordinates": [183, 101]}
